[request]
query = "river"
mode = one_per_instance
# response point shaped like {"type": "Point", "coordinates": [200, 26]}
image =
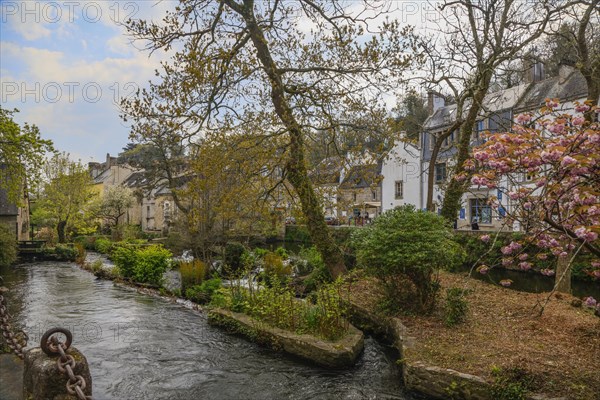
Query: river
{"type": "Point", "coordinates": [141, 347]}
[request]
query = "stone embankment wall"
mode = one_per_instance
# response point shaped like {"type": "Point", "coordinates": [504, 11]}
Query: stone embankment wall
{"type": "Point", "coordinates": [339, 354]}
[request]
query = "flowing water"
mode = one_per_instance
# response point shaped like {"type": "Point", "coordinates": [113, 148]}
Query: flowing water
{"type": "Point", "coordinates": [141, 347]}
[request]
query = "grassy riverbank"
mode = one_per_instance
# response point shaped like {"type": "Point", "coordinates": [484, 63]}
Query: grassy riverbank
{"type": "Point", "coordinates": [504, 339]}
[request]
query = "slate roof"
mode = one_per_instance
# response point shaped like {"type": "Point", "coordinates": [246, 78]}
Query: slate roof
{"type": "Point", "coordinates": [496, 101]}
{"type": "Point", "coordinates": [568, 87]}
{"type": "Point", "coordinates": [362, 176]}
{"type": "Point", "coordinates": [327, 171]}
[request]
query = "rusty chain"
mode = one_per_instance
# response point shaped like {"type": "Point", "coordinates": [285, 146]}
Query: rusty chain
{"type": "Point", "coordinates": [16, 344]}
{"type": "Point", "coordinates": [50, 344]}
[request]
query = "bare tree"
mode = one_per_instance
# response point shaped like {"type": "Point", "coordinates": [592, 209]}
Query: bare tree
{"type": "Point", "coordinates": [290, 69]}
{"type": "Point", "coordinates": [475, 39]}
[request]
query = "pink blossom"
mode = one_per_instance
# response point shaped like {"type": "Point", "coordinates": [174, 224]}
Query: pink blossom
{"type": "Point", "coordinates": [596, 264]}
{"type": "Point", "coordinates": [485, 238]}
{"type": "Point", "coordinates": [483, 269]}
{"type": "Point", "coordinates": [596, 273]}
{"type": "Point", "coordinates": [590, 302]}
{"type": "Point", "coordinates": [568, 160]}
{"type": "Point", "coordinates": [547, 272]}
{"type": "Point", "coordinates": [551, 103]}
{"type": "Point", "coordinates": [525, 266]}
{"type": "Point", "coordinates": [542, 256]}
{"type": "Point", "coordinates": [523, 256]}
{"type": "Point", "coordinates": [582, 108]}
{"type": "Point", "coordinates": [507, 262]}
{"type": "Point", "coordinates": [506, 282]}
{"type": "Point", "coordinates": [578, 121]}
{"type": "Point", "coordinates": [585, 234]}
{"type": "Point", "coordinates": [523, 118]}
{"type": "Point", "coordinates": [481, 155]}
{"type": "Point", "coordinates": [557, 128]}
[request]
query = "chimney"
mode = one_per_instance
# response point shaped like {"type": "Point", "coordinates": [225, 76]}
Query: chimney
{"type": "Point", "coordinates": [535, 71]}
{"type": "Point", "coordinates": [434, 101]}
{"type": "Point", "coordinates": [564, 71]}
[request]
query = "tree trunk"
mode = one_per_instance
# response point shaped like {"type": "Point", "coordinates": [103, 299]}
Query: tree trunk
{"type": "Point", "coordinates": [457, 188]}
{"type": "Point", "coordinates": [563, 275]}
{"type": "Point", "coordinates": [60, 228]}
{"type": "Point", "coordinates": [433, 160]}
{"type": "Point", "coordinates": [296, 167]}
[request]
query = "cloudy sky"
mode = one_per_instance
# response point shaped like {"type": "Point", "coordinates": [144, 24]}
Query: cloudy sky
{"type": "Point", "coordinates": [65, 64]}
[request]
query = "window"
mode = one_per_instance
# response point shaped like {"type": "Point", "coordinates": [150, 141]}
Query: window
{"type": "Point", "coordinates": [440, 172]}
{"type": "Point", "coordinates": [374, 195]}
{"type": "Point", "coordinates": [479, 128]}
{"type": "Point", "coordinates": [481, 211]}
{"type": "Point", "coordinates": [399, 191]}
{"type": "Point", "coordinates": [354, 196]}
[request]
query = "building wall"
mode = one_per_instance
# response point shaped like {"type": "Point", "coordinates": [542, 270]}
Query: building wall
{"type": "Point", "coordinates": [355, 199]}
{"type": "Point", "coordinates": [402, 165]}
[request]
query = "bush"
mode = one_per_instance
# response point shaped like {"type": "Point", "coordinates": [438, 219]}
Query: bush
{"type": "Point", "coordinates": [277, 306]}
{"type": "Point", "coordinates": [103, 245]}
{"type": "Point", "coordinates": [8, 246]}
{"type": "Point", "coordinates": [124, 258]}
{"type": "Point", "coordinates": [66, 252]}
{"type": "Point", "coordinates": [233, 257]}
{"type": "Point", "coordinates": [192, 273]}
{"type": "Point", "coordinates": [403, 248]}
{"type": "Point", "coordinates": [150, 264]}
{"type": "Point", "coordinates": [203, 293]}
{"type": "Point", "coordinates": [274, 265]}
{"type": "Point", "coordinates": [456, 306]}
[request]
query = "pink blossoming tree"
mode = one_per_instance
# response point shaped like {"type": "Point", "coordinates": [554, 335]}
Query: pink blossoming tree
{"type": "Point", "coordinates": [549, 169]}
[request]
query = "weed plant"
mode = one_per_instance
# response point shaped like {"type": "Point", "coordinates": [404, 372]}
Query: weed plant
{"type": "Point", "coordinates": [276, 305]}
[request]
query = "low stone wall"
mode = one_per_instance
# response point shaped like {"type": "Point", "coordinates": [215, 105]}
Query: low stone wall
{"type": "Point", "coordinates": [339, 354]}
{"type": "Point", "coordinates": [439, 383]}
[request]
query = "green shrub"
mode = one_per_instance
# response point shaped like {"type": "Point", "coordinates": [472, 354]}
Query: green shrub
{"type": "Point", "coordinates": [274, 265]}
{"type": "Point", "coordinates": [233, 257]}
{"type": "Point", "coordinates": [124, 258]}
{"type": "Point", "coordinates": [103, 245]}
{"type": "Point", "coordinates": [404, 248]}
{"type": "Point", "coordinates": [276, 305]}
{"type": "Point", "coordinates": [8, 246]}
{"type": "Point", "coordinates": [203, 293]}
{"type": "Point", "coordinates": [151, 262]}
{"type": "Point", "coordinates": [66, 252]}
{"type": "Point", "coordinates": [192, 273]}
{"type": "Point", "coordinates": [456, 306]}
{"type": "Point", "coordinates": [512, 383]}
{"type": "Point", "coordinates": [282, 252]}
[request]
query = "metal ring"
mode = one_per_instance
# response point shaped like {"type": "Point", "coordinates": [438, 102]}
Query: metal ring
{"type": "Point", "coordinates": [44, 343]}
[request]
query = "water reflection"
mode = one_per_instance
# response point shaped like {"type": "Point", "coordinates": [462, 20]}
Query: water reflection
{"type": "Point", "coordinates": [140, 347]}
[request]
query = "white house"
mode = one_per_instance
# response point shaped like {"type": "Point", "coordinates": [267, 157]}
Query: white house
{"type": "Point", "coordinates": [401, 177]}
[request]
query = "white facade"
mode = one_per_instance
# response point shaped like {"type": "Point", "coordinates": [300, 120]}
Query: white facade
{"type": "Point", "coordinates": [401, 177]}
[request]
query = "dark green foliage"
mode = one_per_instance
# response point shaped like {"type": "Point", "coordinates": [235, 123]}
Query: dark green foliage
{"type": "Point", "coordinates": [297, 233]}
{"type": "Point", "coordinates": [124, 258]}
{"type": "Point", "coordinates": [8, 246]}
{"type": "Point", "coordinates": [151, 262]}
{"type": "Point", "coordinates": [456, 306]}
{"type": "Point", "coordinates": [404, 248]}
{"type": "Point", "coordinates": [282, 252]}
{"type": "Point", "coordinates": [203, 293]}
{"type": "Point", "coordinates": [276, 305]}
{"type": "Point", "coordinates": [511, 383]}
{"type": "Point", "coordinates": [66, 252]}
{"type": "Point", "coordinates": [103, 245]}
{"type": "Point", "coordinates": [233, 256]}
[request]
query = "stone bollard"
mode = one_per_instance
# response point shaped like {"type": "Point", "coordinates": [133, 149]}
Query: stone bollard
{"type": "Point", "coordinates": [43, 380]}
